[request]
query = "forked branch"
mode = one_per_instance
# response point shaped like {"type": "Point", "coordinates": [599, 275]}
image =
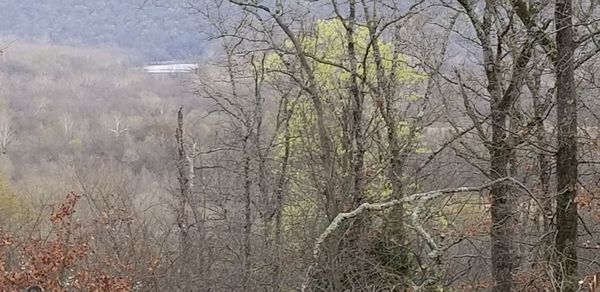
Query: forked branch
{"type": "Point", "coordinates": [418, 198]}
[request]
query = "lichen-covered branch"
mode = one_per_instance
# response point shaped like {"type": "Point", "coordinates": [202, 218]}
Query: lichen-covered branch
{"type": "Point", "coordinates": [419, 198]}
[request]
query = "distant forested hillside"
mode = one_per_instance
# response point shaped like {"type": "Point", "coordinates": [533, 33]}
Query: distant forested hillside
{"type": "Point", "coordinates": [158, 32]}
{"type": "Point", "coordinates": [75, 106]}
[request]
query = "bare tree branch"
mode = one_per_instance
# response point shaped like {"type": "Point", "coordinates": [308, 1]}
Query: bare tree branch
{"type": "Point", "coordinates": [418, 198]}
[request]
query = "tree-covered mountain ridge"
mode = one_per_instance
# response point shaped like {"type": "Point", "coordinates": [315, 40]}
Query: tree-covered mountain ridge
{"type": "Point", "coordinates": [156, 32]}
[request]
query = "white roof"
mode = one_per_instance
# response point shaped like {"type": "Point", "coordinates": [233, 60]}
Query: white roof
{"type": "Point", "coordinates": [171, 68]}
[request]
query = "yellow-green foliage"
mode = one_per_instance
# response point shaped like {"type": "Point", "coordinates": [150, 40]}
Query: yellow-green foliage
{"type": "Point", "coordinates": [380, 190]}
{"type": "Point", "coordinates": [297, 212]}
{"type": "Point", "coordinates": [12, 206]}
{"type": "Point", "coordinates": [328, 44]}
{"type": "Point", "coordinates": [75, 143]}
{"type": "Point", "coordinates": [300, 142]}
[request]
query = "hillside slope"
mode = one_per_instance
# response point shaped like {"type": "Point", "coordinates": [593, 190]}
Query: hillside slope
{"type": "Point", "coordinates": [157, 32]}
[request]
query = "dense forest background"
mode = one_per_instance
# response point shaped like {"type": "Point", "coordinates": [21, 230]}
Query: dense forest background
{"type": "Point", "coordinates": [155, 30]}
{"type": "Point", "coordinates": [426, 145]}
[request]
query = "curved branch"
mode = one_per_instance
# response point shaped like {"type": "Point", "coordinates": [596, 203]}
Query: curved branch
{"type": "Point", "coordinates": [420, 198]}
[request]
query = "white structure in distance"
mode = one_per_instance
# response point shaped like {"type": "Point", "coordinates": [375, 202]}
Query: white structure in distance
{"type": "Point", "coordinates": [171, 68]}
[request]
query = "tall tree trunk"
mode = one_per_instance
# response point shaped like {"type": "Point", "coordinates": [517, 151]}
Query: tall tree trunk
{"type": "Point", "coordinates": [247, 244]}
{"type": "Point", "coordinates": [279, 199]}
{"type": "Point", "coordinates": [544, 212]}
{"type": "Point", "coordinates": [500, 208]}
{"type": "Point", "coordinates": [185, 178]}
{"type": "Point", "coordinates": [566, 157]}
{"type": "Point", "coordinates": [358, 149]}
{"type": "Point", "coordinates": [502, 205]}
{"type": "Point", "coordinates": [501, 148]}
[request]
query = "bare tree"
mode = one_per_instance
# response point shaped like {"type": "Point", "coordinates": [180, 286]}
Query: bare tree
{"type": "Point", "coordinates": [7, 135]}
{"type": "Point", "coordinates": [118, 128]}
{"type": "Point", "coordinates": [566, 156]}
{"type": "Point", "coordinates": [503, 94]}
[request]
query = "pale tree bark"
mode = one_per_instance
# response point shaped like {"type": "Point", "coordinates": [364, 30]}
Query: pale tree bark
{"type": "Point", "coordinates": [417, 200]}
{"type": "Point", "coordinates": [7, 135]}
{"type": "Point", "coordinates": [185, 176]}
{"type": "Point", "coordinates": [356, 109]}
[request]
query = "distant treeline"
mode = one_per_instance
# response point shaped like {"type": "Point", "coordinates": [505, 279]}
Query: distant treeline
{"type": "Point", "coordinates": [157, 32]}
